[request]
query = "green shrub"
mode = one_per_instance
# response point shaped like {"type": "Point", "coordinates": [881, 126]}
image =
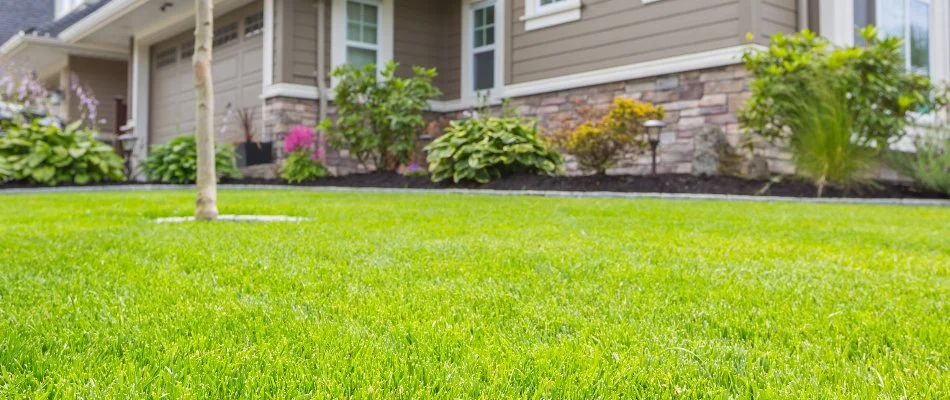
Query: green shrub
{"type": "Point", "coordinates": [300, 166]}
{"type": "Point", "coordinates": [881, 94]}
{"type": "Point", "coordinates": [177, 161]}
{"type": "Point", "coordinates": [380, 113]}
{"type": "Point", "coordinates": [49, 155]}
{"type": "Point", "coordinates": [930, 165]}
{"type": "Point", "coordinates": [826, 150]}
{"type": "Point", "coordinates": [485, 149]}
{"type": "Point", "coordinates": [598, 145]}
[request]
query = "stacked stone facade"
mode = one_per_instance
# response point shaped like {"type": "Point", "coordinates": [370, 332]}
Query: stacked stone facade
{"type": "Point", "coordinates": [694, 102]}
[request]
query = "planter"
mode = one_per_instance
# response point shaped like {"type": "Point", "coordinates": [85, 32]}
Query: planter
{"type": "Point", "coordinates": [255, 153]}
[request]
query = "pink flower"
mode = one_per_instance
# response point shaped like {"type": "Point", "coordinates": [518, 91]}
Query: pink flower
{"type": "Point", "coordinates": [321, 154]}
{"type": "Point", "coordinates": [300, 138]}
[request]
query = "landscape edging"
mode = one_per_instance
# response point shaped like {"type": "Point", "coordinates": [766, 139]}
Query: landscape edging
{"type": "Point", "coordinates": [495, 192]}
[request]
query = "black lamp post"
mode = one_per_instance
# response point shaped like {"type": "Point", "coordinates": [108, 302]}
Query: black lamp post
{"type": "Point", "coordinates": [654, 129]}
{"type": "Point", "coordinates": [127, 141]}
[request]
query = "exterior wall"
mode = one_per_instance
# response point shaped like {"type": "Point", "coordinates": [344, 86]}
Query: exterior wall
{"type": "Point", "coordinates": [776, 16]}
{"type": "Point", "coordinates": [612, 33]}
{"type": "Point", "coordinates": [106, 79]}
{"type": "Point", "coordinates": [691, 100]}
{"type": "Point", "coordinates": [295, 37]}
{"type": "Point", "coordinates": [428, 33]}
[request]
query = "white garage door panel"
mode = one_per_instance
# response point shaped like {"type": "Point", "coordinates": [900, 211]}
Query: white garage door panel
{"type": "Point", "coordinates": [238, 78]}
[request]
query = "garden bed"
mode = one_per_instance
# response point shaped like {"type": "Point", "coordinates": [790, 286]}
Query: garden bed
{"type": "Point", "coordinates": [672, 183]}
{"type": "Point", "coordinates": [788, 187]}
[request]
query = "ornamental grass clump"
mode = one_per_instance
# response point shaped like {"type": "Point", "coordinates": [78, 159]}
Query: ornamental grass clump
{"type": "Point", "coordinates": [303, 163]}
{"type": "Point", "coordinates": [600, 142]}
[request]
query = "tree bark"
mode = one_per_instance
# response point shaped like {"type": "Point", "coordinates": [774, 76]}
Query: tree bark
{"type": "Point", "coordinates": [206, 208]}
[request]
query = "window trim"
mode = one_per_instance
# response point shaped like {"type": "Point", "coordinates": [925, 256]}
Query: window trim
{"type": "Point", "coordinates": [537, 16]}
{"type": "Point", "coordinates": [493, 47]}
{"type": "Point", "coordinates": [361, 44]}
{"type": "Point", "coordinates": [338, 27]}
{"type": "Point", "coordinates": [468, 55]}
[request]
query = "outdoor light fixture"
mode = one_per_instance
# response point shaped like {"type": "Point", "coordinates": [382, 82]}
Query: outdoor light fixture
{"type": "Point", "coordinates": [127, 141]}
{"type": "Point", "coordinates": [654, 129]}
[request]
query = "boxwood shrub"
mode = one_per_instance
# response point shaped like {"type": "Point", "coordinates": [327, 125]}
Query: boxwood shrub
{"type": "Point", "coordinates": [49, 155]}
{"type": "Point", "coordinates": [177, 161]}
{"type": "Point", "coordinates": [482, 149]}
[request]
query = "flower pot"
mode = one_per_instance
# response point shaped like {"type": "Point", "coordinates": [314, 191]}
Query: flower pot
{"type": "Point", "coordinates": [255, 153]}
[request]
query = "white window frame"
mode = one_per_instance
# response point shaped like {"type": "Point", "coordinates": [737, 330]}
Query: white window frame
{"type": "Point", "coordinates": [538, 16]}
{"type": "Point", "coordinates": [880, 13]}
{"type": "Point", "coordinates": [468, 48]}
{"type": "Point", "coordinates": [384, 33]}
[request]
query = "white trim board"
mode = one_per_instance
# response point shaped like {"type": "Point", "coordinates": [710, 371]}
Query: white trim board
{"type": "Point", "coordinates": [666, 66]}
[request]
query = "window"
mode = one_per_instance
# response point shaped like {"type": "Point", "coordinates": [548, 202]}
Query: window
{"type": "Point", "coordinates": [362, 33]}
{"type": "Point", "coordinates": [483, 47]}
{"type": "Point", "coordinates": [64, 7]}
{"type": "Point", "coordinates": [225, 35]}
{"type": "Point", "coordinates": [167, 57]}
{"type": "Point", "coordinates": [254, 25]}
{"type": "Point", "coordinates": [187, 49]}
{"type": "Point", "coordinates": [906, 19]}
{"type": "Point", "coordinates": [544, 13]}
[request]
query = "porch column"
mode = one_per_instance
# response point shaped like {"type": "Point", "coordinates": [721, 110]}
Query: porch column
{"type": "Point", "coordinates": [140, 102]}
{"type": "Point", "coordinates": [837, 21]}
{"type": "Point", "coordinates": [940, 41]}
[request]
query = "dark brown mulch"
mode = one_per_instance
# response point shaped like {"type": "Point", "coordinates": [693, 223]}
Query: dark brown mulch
{"type": "Point", "coordinates": [787, 187]}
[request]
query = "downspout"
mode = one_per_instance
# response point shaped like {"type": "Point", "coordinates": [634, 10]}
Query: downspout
{"type": "Point", "coordinates": [803, 15]}
{"type": "Point", "coordinates": [321, 60]}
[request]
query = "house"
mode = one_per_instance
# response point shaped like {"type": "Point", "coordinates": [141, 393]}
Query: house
{"type": "Point", "coordinates": [546, 56]}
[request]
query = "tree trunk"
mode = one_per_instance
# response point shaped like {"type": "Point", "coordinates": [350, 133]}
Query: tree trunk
{"type": "Point", "coordinates": [206, 207]}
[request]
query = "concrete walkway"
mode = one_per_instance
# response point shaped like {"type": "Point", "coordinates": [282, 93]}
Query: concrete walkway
{"type": "Point", "coordinates": [492, 192]}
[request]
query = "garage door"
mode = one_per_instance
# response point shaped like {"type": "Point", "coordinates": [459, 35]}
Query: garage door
{"type": "Point", "coordinates": [237, 71]}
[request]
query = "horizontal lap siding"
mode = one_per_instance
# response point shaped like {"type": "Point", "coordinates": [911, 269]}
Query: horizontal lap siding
{"type": "Point", "coordinates": [777, 16]}
{"type": "Point", "coordinates": [106, 79]}
{"type": "Point", "coordinates": [296, 41]}
{"type": "Point", "coordinates": [619, 32]}
{"type": "Point", "coordinates": [428, 34]}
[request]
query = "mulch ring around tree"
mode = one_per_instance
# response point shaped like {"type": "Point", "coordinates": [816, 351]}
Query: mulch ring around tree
{"type": "Point", "coordinates": [671, 183]}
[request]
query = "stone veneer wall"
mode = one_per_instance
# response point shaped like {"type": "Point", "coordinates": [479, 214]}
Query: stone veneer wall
{"type": "Point", "coordinates": [693, 101]}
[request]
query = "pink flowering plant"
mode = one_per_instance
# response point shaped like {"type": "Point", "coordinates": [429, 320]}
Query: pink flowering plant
{"type": "Point", "coordinates": [303, 163]}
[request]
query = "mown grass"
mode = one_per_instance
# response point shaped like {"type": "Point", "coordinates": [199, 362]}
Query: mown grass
{"type": "Point", "coordinates": [449, 296]}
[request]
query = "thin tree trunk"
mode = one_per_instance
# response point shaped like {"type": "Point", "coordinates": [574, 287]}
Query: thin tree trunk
{"type": "Point", "coordinates": [206, 206]}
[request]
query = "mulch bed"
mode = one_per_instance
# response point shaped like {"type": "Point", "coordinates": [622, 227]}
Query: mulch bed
{"type": "Point", "coordinates": [787, 187]}
{"type": "Point", "coordinates": [673, 183]}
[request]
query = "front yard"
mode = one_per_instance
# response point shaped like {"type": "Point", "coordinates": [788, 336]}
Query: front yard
{"type": "Point", "coordinates": [450, 296]}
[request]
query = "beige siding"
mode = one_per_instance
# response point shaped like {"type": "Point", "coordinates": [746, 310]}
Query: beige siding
{"type": "Point", "coordinates": [777, 16]}
{"type": "Point", "coordinates": [106, 79]}
{"type": "Point", "coordinates": [296, 41]}
{"type": "Point", "coordinates": [427, 33]}
{"type": "Point", "coordinates": [619, 32]}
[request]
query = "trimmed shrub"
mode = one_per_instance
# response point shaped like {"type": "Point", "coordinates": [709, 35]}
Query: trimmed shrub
{"type": "Point", "coordinates": [881, 96]}
{"type": "Point", "coordinates": [380, 113]}
{"type": "Point", "coordinates": [302, 164]}
{"type": "Point", "coordinates": [599, 145]}
{"type": "Point", "coordinates": [484, 149]}
{"type": "Point", "coordinates": [177, 161]}
{"type": "Point", "coordinates": [50, 155]}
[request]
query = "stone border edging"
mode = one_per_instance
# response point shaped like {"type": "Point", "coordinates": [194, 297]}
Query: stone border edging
{"type": "Point", "coordinates": [495, 192]}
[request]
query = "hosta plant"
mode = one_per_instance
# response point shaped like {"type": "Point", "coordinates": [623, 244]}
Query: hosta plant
{"type": "Point", "coordinates": [302, 163]}
{"type": "Point", "coordinates": [49, 155]}
{"type": "Point", "coordinates": [177, 161]}
{"type": "Point", "coordinates": [482, 149]}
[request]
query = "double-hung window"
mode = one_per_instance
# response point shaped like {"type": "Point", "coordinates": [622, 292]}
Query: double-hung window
{"type": "Point", "coordinates": [362, 33]}
{"type": "Point", "coordinates": [483, 46]}
{"type": "Point", "coordinates": [905, 19]}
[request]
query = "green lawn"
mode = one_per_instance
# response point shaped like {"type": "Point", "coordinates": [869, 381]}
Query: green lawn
{"type": "Point", "coordinates": [451, 296]}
